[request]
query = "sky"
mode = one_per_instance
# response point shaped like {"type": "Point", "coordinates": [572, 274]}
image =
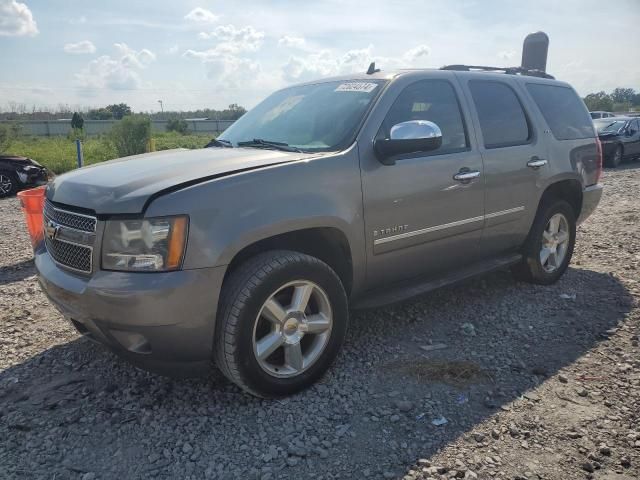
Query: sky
{"type": "Point", "coordinates": [211, 53]}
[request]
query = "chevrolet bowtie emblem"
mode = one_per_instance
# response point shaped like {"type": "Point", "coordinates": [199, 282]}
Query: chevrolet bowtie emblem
{"type": "Point", "coordinates": [51, 229]}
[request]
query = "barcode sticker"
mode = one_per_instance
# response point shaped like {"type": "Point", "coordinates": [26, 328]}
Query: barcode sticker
{"type": "Point", "coordinates": [364, 87]}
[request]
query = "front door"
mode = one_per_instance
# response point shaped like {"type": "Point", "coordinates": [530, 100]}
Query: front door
{"type": "Point", "coordinates": [632, 147]}
{"type": "Point", "coordinates": [418, 218]}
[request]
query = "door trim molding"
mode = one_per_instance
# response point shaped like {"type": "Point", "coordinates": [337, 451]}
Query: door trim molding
{"type": "Point", "coordinates": [435, 228]}
{"type": "Point", "coordinates": [504, 212]}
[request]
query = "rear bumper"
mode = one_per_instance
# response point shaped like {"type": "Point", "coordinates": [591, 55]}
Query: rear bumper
{"type": "Point", "coordinates": [590, 199]}
{"type": "Point", "coordinates": [162, 322]}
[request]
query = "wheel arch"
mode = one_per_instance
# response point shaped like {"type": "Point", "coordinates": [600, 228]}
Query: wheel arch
{"type": "Point", "coordinates": [568, 189]}
{"type": "Point", "coordinates": [329, 244]}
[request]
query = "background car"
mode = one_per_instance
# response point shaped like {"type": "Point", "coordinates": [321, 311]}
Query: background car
{"type": "Point", "coordinates": [601, 114]}
{"type": "Point", "coordinates": [620, 137]}
{"type": "Point", "coordinates": [18, 172]}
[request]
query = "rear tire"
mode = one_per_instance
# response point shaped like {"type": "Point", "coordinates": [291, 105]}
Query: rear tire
{"type": "Point", "coordinates": [549, 246]}
{"type": "Point", "coordinates": [8, 183]}
{"type": "Point", "coordinates": [282, 321]}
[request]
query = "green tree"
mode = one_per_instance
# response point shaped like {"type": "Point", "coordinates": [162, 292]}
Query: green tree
{"type": "Point", "coordinates": [623, 95]}
{"type": "Point", "coordinates": [131, 135]}
{"type": "Point", "coordinates": [77, 122]}
{"type": "Point", "coordinates": [100, 114]}
{"type": "Point", "coordinates": [119, 110]}
{"type": "Point", "coordinates": [599, 101]}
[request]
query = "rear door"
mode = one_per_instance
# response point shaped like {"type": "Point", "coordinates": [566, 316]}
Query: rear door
{"type": "Point", "coordinates": [418, 218]}
{"type": "Point", "coordinates": [514, 160]}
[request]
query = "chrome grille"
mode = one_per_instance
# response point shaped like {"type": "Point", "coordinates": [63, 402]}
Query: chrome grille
{"type": "Point", "coordinates": [79, 221]}
{"type": "Point", "coordinates": [69, 238]}
{"type": "Point", "coordinates": [76, 257]}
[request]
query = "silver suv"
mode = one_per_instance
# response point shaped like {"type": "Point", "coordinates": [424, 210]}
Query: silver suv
{"type": "Point", "coordinates": [342, 193]}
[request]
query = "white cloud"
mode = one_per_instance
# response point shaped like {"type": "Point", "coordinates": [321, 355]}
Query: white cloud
{"type": "Point", "coordinates": [201, 15]}
{"type": "Point", "coordinates": [84, 46]}
{"type": "Point", "coordinates": [416, 54]}
{"type": "Point", "coordinates": [120, 72]}
{"type": "Point", "coordinates": [233, 40]}
{"type": "Point", "coordinates": [223, 62]}
{"type": "Point", "coordinates": [291, 42]}
{"type": "Point", "coordinates": [327, 63]}
{"type": "Point", "coordinates": [172, 50]}
{"type": "Point", "coordinates": [16, 19]}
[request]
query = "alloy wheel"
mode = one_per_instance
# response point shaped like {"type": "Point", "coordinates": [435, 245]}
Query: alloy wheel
{"type": "Point", "coordinates": [555, 242]}
{"type": "Point", "coordinates": [6, 185]}
{"type": "Point", "coordinates": [292, 329]}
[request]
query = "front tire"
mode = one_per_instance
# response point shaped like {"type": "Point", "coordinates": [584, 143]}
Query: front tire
{"type": "Point", "coordinates": [616, 159]}
{"type": "Point", "coordinates": [282, 320]}
{"type": "Point", "coordinates": [549, 246]}
{"type": "Point", "coordinates": [8, 184]}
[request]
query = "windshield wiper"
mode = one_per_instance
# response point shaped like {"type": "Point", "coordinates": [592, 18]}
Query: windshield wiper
{"type": "Point", "coordinates": [260, 143]}
{"type": "Point", "coordinates": [219, 143]}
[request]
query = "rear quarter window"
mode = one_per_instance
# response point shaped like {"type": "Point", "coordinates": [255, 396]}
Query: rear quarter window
{"type": "Point", "coordinates": [563, 111]}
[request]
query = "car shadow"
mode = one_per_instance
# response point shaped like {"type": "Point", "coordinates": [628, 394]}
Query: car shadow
{"type": "Point", "coordinates": [17, 271]}
{"type": "Point", "coordinates": [626, 165]}
{"type": "Point", "coordinates": [457, 355]}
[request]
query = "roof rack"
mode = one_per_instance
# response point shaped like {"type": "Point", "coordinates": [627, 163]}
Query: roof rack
{"type": "Point", "coordinates": [507, 70]}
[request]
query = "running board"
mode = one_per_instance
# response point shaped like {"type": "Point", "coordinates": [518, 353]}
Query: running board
{"type": "Point", "coordinates": [407, 290]}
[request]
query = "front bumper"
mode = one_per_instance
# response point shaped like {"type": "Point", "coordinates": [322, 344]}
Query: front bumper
{"type": "Point", "coordinates": [33, 176]}
{"type": "Point", "coordinates": [590, 199]}
{"type": "Point", "coordinates": [162, 322]}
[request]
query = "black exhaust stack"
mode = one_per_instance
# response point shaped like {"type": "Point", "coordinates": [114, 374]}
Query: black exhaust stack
{"type": "Point", "coordinates": [534, 52]}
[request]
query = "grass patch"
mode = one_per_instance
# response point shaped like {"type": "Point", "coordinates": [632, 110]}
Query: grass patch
{"type": "Point", "coordinates": [456, 373]}
{"type": "Point", "coordinates": [58, 154]}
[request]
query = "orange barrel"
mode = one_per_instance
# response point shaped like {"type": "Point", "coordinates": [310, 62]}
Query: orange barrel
{"type": "Point", "coordinates": [32, 201]}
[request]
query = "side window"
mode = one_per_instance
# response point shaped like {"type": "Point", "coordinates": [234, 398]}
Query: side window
{"type": "Point", "coordinates": [635, 126]}
{"type": "Point", "coordinates": [433, 100]}
{"type": "Point", "coordinates": [502, 118]}
{"type": "Point", "coordinates": [563, 110]}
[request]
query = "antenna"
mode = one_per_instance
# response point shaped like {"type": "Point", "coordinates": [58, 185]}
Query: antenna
{"type": "Point", "coordinates": [372, 69]}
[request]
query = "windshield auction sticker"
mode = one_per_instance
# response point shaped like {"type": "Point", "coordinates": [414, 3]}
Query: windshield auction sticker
{"type": "Point", "coordinates": [364, 87]}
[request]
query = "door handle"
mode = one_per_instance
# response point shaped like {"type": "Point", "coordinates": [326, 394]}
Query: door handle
{"type": "Point", "coordinates": [536, 162]}
{"type": "Point", "coordinates": [466, 175]}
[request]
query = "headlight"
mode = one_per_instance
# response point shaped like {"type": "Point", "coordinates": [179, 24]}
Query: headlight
{"type": "Point", "coordinates": [146, 245]}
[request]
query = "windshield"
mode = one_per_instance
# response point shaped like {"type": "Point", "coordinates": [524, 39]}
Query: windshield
{"type": "Point", "coordinates": [609, 126]}
{"type": "Point", "coordinates": [319, 117]}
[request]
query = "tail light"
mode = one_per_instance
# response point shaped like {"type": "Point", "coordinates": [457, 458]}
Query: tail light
{"type": "Point", "coordinates": [599, 160]}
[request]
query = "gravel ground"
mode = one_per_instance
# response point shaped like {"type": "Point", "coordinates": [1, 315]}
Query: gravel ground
{"type": "Point", "coordinates": [488, 379]}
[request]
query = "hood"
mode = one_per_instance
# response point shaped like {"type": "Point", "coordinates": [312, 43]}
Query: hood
{"type": "Point", "coordinates": [126, 184]}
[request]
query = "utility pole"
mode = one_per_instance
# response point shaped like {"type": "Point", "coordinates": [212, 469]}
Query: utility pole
{"type": "Point", "coordinates": [161, 107]}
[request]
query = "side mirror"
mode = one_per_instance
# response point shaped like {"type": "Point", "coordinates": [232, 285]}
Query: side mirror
{"type": "Point", "coordinates": [408, 137]}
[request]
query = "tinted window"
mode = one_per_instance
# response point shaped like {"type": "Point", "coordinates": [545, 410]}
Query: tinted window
{"type": "Point", "coordinates": [433, 100]}
{"type": "Point", "coordinates": [502, 119]}
{"type": "Point", "coordinates": [563, 110]}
